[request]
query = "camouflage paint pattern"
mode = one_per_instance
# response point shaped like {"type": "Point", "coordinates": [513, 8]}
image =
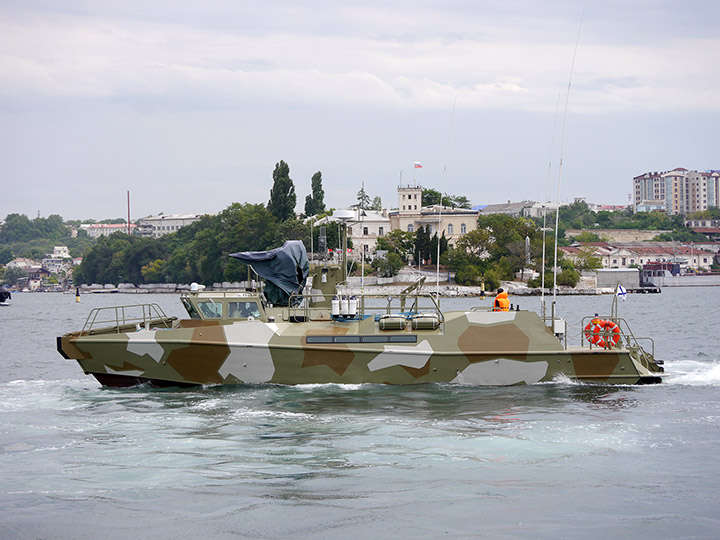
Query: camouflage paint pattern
{"type": "Point", "coordinates": [475, 348]}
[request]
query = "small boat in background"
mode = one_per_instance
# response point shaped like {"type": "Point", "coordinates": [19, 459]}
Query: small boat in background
{"type": "Point", "coordinates": [5, 297]}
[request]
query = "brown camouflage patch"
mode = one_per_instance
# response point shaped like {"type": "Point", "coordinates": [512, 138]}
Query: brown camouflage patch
{"type": "Point", "coordinates": [200, 361]}
{"type": "Point", "coordinates": [418, 372]}
{"type": "Point", "coordinates": [500, 338]}
{"type": "Point", "coordinates": [598, 366]}
{"type": "Point", "coordinates": [337, 358]}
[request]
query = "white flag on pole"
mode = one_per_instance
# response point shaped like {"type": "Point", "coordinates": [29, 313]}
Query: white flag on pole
{"type": "Point", "coordinates": [621, 292]}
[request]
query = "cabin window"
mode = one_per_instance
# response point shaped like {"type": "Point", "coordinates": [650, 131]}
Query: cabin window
{"type": "Point", "coordinates": [210, 309]}
{"type": "Point", "coordinates": [190, 309]}
{"type": "Point", "coordinates": [243, 310]}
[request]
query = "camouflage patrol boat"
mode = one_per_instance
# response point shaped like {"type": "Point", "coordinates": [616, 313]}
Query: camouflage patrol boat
{"type": "Point", "coordinates": [301, 329]}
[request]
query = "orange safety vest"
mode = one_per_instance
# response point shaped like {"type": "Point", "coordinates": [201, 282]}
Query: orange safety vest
{"type": "Point", "coordinates": [501, 302]}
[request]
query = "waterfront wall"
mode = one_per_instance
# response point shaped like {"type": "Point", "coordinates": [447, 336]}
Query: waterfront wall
{"type": "Point", "coordinates": [618, 235]}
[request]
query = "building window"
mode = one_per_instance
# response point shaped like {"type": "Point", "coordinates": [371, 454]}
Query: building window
{"type": "Point", "coordinates": [381, 231]}
{"type": "Point", "coordinates": [410, 228]}
{"type": "Point", "coordinates": [350, 231]}
{"type": "Point", "coordinates": [365, 231]}
{"type": "Point", "coordinates": [463, 228]}
{"type": "Point", "coordinates": [450, 228]}
{"type": "Point", "coordinates": [415, 207]}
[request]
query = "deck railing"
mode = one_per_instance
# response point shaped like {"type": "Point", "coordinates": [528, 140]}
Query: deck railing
{"type": "Point", "coordinates": [626, 336]}
{"type": "Point", "coordinates": [116, 319]}
{"type": "Point", "coordinates": [301, 307]}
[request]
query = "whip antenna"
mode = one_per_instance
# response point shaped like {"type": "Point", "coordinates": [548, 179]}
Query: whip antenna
{"type": "Point", "coordinates": [442, 187]}
{"type": "Point", "coordinates": [562, 143]}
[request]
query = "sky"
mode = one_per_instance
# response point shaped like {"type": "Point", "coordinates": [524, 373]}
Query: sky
{"type": "Point", "coordinates": [189, 105]}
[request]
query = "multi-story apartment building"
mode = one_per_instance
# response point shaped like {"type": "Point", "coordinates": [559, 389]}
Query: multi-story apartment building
{"type": "Point", "coordinates": [677, 192]}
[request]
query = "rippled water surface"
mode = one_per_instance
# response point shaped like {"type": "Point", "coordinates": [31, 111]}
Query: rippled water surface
{"type": "Point", "coordinates": [560, 460]}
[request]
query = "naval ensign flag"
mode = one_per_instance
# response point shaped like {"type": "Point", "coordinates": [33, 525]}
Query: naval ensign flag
{"type": "Point", "coordinates": [621, 292]}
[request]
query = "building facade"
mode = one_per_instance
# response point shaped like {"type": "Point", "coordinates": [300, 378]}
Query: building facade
{"type": "Point", "coordinates": [411, 215]}
{"type": "Point", "coordinates": [157, 226]}
{"type": "Point", "coordinates": [96, 230]}
{"type": "Point", "coordinates": [677, 192]}
{"type": "Point", "coordinates": [693, 256]}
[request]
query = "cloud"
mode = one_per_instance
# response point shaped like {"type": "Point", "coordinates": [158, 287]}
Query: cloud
{"type": "Point", "coordinates": [104, 57]}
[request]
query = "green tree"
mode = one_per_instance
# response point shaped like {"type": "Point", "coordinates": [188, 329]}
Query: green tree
{"type": "Point", "coordinates": [315, 203]}
{"type": "Point", "coordinates": [422, 244]}
{"type": "Point", "coordinates": [587, 260]}
{"type": "Point", "coordinates": [587, 236]}
{"type": "Point", "coordinates": [467, 275]}
{"type": "Point", "coordinates": [434, 246]}
{"type": "Point", "coordinates": [397, 241]}
{"type": "Point", "coordinates": [13, 274]}
{"type": "Point", "coordinates": [460, 201]}
{"type": "Point", "coordinates": [477, 242]}
{"type": "Point", "coordinates": [376, 204]}
{"type": "Point", "coordinates": [431, 197]}
{"type": "Point", "coordinates": [363, 199]}
{"type": "Point", "coordinates": [6, 255]}
{"type": "Point", "coordinates": [389, 265]}
{"type": "Point", "coordinates": [154, 271]}
{"type": "Point", "coordinates": [282, 195]}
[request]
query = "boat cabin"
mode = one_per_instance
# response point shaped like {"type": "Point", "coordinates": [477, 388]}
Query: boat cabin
{"type": "Point", "coordinates": [238, 306]}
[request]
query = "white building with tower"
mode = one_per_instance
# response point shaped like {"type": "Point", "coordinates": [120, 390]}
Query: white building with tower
{"type": "Point", "coordinates": [411, 215]}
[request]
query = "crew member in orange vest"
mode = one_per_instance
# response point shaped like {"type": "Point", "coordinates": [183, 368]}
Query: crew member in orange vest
{"type": "Point", "coordinates": [501, 301]}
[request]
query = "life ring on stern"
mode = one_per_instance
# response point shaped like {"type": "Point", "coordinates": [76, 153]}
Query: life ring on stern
{"type": "Point", "coordinates": [604, 334]}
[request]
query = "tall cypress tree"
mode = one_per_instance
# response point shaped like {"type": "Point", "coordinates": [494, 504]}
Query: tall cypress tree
{"type": "Point", "coordinates": [422, 244]}
{"type": "Point", "coordinates": [315, 203]}
{"type": "Point", "coordinates": [282, 195]}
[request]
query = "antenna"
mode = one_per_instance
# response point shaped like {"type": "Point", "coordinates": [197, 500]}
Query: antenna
{"type": "Point", "coordinates": [547, 198]}
{"type": "Point", "coordinates": [562, 143]}
{"type": "Point", "coordinates": [442, 188]}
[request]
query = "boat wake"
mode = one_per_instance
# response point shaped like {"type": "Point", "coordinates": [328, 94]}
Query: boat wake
{"type": "Point", "coordinates": [694, 373]}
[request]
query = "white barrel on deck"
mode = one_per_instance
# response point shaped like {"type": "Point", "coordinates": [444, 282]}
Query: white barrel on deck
{"type": "Point", "coordinates": [352, 306]}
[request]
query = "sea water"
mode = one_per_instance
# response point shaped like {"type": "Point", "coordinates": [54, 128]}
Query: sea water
{"type": "Point", "coordinates": [559, 460]}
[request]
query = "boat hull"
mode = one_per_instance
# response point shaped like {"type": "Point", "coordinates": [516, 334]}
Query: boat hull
{"type": "Point", "coordinates": [494, 349]}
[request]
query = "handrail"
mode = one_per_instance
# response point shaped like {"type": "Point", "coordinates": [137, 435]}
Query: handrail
{"type": "Point", "coordinates": [299, 308]}
{"type": "Point", "coordinates": [626, 333]}
{"type": "Point", "coordinates": [123, 318]}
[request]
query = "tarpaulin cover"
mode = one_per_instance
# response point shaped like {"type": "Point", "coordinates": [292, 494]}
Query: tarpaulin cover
{"type": "Point", "coordinates": [286, 267]}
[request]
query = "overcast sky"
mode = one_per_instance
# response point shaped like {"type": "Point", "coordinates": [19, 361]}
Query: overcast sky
{"type": "Point", "coordinates": [190, 104]}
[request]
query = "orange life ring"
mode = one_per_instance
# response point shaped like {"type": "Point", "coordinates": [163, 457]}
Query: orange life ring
{"type": "Point", "coordinates": [604, 334]}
